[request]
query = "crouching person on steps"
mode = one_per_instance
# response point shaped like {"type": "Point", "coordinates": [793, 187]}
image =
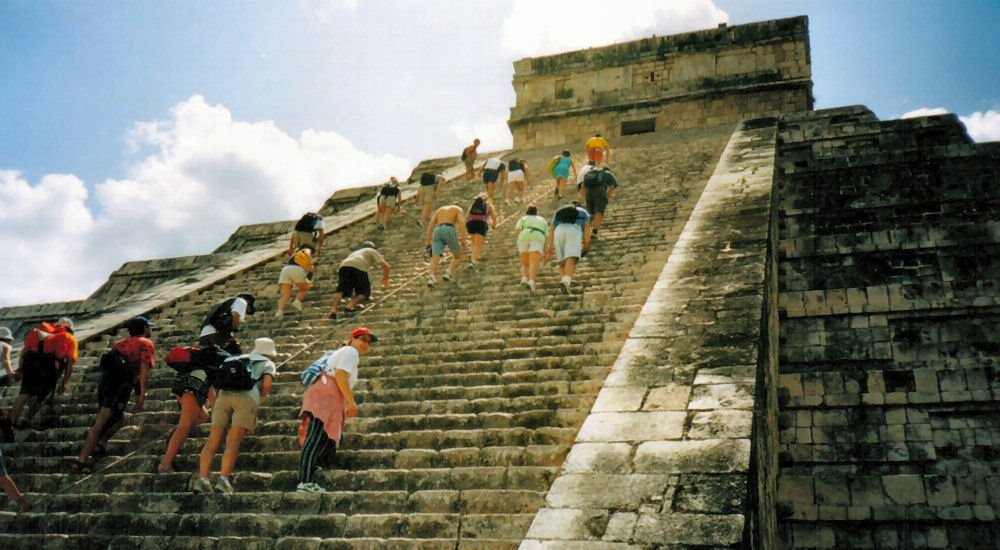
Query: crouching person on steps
{"type": "Point", "coordinates": [125, 368]}
{"type": "Point", "coordinates": [241, 382]}
{"type": "Point", "coordinates": [328, 403]}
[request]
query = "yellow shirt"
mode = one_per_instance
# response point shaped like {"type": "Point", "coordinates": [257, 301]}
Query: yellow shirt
{"type": "Point", "coordinates": [596, 143]}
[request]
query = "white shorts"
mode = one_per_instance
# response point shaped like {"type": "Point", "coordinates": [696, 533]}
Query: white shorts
{"type": "Point", "coordinates": [568, 241]}
{"type": "Point", "coordinates": [532, 245]}
{"type": "Point", "coordinates": [515, 176]}
{"type": "Point", "coordinates": [292, 275]}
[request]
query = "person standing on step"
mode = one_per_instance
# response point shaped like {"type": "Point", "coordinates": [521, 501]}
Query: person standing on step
{"type": "Point", "coordinates": [482, 216]}
{"type": "Point", "coordinates": [224, 321]}
{"type": "Point", "coordinates": [117, 383]}
{"type": "Point", "coordinates": [309, 231]}
{"type": "Point", "coordinates": [428, 192]}
{"type": "Point", "coordinates": [235, 415]}
{"type": "Point", "coordinates": [299, 272]}
{"type": "Point", "coordinates": [494, 172]}
{"type": "Point", "coordinates": [49, 351]}
{"type": "Point", "coordinates": [562, 168]}
{"type": "Point", "coordinates": [10, 488]}
{"type": "Point", "coordinates": [569, 239]}
{"type": "Point", "coordinates": [388, 201]}
{"type": "Point", "coordinates": [469, 155]}
{"type": "Point", "coordinates": [328, 403]}
{"type": "Point", "coordinates": [597, 189]}
{"type": "Point", "coordinates": [518, 178]}
{"type": "Point", "coordinates": [532, 231]}
{"type": "Point", "coordinates": [598, 149]}
{"type": "Point", "coordinates": [352, 277]}
{"type": "Point", "coordinates": [6, 340]}
{"type": "Point", "coordinates": [441, 234]}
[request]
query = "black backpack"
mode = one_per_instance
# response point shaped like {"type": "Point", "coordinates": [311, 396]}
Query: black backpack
{"type": "Point", "coordinates": [592, 179]}
{"type": "Point", "coordinates": [516, 164]}
{"type": "Point", "coordinates": [221, 317]}
{"type": "Point", "coordinates": [233, 374]}
{"type": "Point", "coordinates": [428, 178]}
{"type": "Point", "coordinates": [388, 190]}
{"type": "Point", "coordinates": [116, 364]}
{"type": "Point", "coordinates": [479, 207]}
{"type": "Point", "coordinates": [307, 222]}
{"type": "Point", "coordinates": [567, 214]}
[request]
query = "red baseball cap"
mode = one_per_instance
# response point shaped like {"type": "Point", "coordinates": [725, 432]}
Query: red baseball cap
{"type": "Point", "coordinates": [362, 331]}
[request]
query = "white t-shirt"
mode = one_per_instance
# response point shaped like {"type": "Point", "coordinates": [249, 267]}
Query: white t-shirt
{"type": "Point", "coordinates": [345, 359]}
{"type": "Point", "coordinates": [583, 172]}
{"type": "Point", "coordinates": [239, 307]}
{"type": "Point", "coordinates": [493, 164]}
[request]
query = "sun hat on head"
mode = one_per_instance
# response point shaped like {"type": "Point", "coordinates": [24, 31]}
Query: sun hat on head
{"type": "Point", "coordinates": [363, 331]}
{"type": "Point", "coordinates": [5, 335]}
{"type": "Point", "coordinates": [264, 346]}
{"type": "Point", "coordinates": [368, 244]}
{"type": "Point", "coordinates": [66, 322]}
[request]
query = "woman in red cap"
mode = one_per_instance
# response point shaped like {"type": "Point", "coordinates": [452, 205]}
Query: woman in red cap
{"type": "Point", "coordinates": [327, 404]}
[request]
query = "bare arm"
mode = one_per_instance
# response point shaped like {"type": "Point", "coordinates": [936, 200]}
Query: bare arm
{"type": "Point", "coordinates": [345, 388]}
{"type": "Point", "coordinates": [265, 385]}
{"type": "Point", "coordinates": [385, 273]}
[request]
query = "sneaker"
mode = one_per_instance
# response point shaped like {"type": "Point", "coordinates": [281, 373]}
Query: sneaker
{"type": "Point", "coordinates": [556, 193]}
{"type": "Point", "coordinates": [279, 314]}
{"type": "Point", "coordinates": [420, 223]}
{"type": "Point", "coordinates": [223, 486]}
{"type": "Point", "coordinates": [309, 488]}
{"type": "Point", "coordinates": [593, 233]}
{"type": "Point", "coordinates": [531, 286]}
{"type": "Point", "coordinates": [202, 486]}
{"type": "Point", "coordinates": [564, 284]}
{"type": "Point", "coordinates": [518, 200]}
{"type": "Point", "coordinates": [332, 315]}
{"type": "Point", "coordinates": [447, 275]}
{"type": "Point", "coordinates": [524, 281]}
{"type": "Point", "coordinates": [431, 280]}
{"type": "Point", "coordinates": [474, 264]}
{"type": "Point", "coordinates": [297, 305]}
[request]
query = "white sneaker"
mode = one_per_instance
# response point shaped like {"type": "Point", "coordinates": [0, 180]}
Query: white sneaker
{"type": "Point", "coordinates": [524, 280]}
{"type": "Point", "coordinates": [474, 264]}
{"type": "Point", "coordinates": [565, 285]}
{"type": "Point", "coordinates": [297, 305]}
{"type": "Point", "coordinates": [531, 286]}
{"type": "Point", "coordinates": [223, 486]}
{"type": "Point", "coordinates": [309, 488]}
{"type": "Point", "coordinates": [420, 223]}
{"type": "Point", "coordinates": [447, 275]}
{"type": "Point", "coordinates": [431, 280]}
{"type": "Point", "coordinates": [202, 486]}
{"type": "Point", "coordinates": [279, 314]}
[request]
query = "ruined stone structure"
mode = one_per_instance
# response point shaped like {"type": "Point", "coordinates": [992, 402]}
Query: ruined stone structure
{"type": "Point", "coordinates": [695, 79]}
{"type": "Point", "coordinates": [783, 338]}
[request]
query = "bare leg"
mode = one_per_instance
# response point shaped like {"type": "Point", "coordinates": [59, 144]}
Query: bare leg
{"type": "Point", "coordinates": [15, 410]}
{"type": "Point", "coordinates": [94, 434]}
{"type": "Point", "coordinates": [286, 295]}
{"type": "Point", "coordinates": [12, 491]}
{"type": "Point", "coordinates": [477, 247]}
{"type": "Point", "coordinates": [191, 415]}
{"type": "Point", "coordinates": [337, 297]}
{"type": "Point", "coordinates": [233, 442]}
{"type": "Point", "coordinates": [209, 450]}
{"type": "Point", "coordinates": [534, 260]}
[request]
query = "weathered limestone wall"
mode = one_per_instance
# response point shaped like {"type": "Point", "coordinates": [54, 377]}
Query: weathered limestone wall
{"type": "Point", "coordinates": [687, 80]}
{"type": "Point", "coordinates": [670, 453]}
{"type": "Point", "coordinates": [890, 368]}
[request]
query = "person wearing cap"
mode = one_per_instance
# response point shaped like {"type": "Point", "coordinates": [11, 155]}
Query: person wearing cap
{"type": "Point", "coordinates": [441, 234]}
{"type": "Point", "coordinates": [234, 416]}
{"type": "Point", "coordinates": [114, 390]}
{"type": "Point", "coordinates": [328, 403]}
{"type": "Point", "coordinates": [598, 149]}
{"type": "Point", "coordinates": [224, 322]}
{"type": "Point", "coordinates": [299, 272]}
{"type": "Point", "coordinates": [569, 239]}
{"type": "Point", "coordinates": [352, 277]}
{"type": "Point", "coordinates": [6, 339]}
{"type": "Point", "coordinates": [48, 350]}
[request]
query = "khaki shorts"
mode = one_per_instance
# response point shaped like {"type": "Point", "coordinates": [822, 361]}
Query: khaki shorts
{"type": "Point", "coordinates": [235, 408]}
{"type": "Point", "coordinates": [426, 193]}
{"type": "Point", "coordinates": [387, 201]}
{"type": "Point", "coordinates": [292, 275]}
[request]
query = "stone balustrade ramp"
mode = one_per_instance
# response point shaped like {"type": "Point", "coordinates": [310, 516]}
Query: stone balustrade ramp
{"type": "Point", "coordinates": [470, 401]}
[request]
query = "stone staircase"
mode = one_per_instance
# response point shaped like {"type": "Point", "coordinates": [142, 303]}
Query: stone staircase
{"type": "Point", "coordinates": [469, 402]}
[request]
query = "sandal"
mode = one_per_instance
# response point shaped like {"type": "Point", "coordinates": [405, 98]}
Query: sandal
{"type": "Point", "coordinates": [81, 467]}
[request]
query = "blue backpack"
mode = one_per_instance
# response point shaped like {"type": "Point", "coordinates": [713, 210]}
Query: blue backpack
{"type": "Point", "coordinates": [312, 372]}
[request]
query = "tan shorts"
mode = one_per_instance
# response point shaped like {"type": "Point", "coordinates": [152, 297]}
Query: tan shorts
{"type": "Point", "coordinates": [426, 193]}
{"type": "Point", "coordinates": [292, 275]}
{"type": "Point", "coordinates": [235, 408]}
{"type": "Point", "coordinates": [387, 201]}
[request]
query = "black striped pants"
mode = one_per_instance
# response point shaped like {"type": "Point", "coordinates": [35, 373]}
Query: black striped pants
{"type": "Point", "coordinates": [316, 445]}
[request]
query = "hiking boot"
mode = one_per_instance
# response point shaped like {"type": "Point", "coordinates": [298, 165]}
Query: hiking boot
{"type": "Point", "coordinates": [297, 305]}
{"type": "Point", "coordinates": [309, 488]}
{"type": "Point", "coordinates": [202, 486]}
{"type": "Point", "coordinates": [447, 275]}
{"type": "Point", "coordinates": [223, 486]}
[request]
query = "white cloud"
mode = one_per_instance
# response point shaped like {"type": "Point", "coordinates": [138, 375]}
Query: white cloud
{"type": "Point", "coordinates": [325, 10]}
{"type": "Point", "coordinates": [207, 175]}
{"type": "Point", "coordinates": [536, 28]}
{"type": "Point", "coordinates": [982, 127]}
{"type": "Point", "coordinates": [493, 133]}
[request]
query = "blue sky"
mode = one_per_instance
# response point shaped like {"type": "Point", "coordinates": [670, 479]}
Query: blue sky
{"type": "Point", "coordinates": [130, 123]}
